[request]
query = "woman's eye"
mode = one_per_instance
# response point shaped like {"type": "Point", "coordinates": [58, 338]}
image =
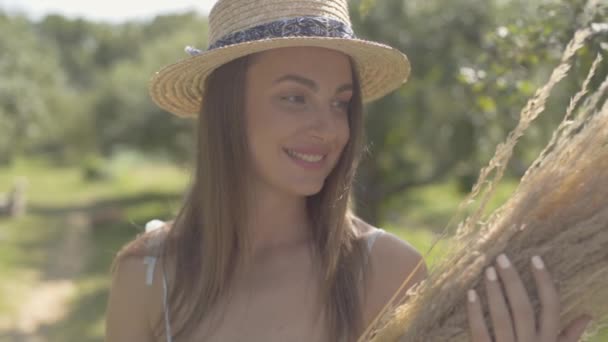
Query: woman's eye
{"type": "Point", "coordinates": [297, 99]}
{"type": "Point", "coordinates": [342, 104]}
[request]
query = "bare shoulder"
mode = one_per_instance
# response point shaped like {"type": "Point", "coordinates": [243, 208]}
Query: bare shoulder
{"type": "Point", "coordinates": [392, 260]}
{"type": "Point", "coordinates": [133, 305]}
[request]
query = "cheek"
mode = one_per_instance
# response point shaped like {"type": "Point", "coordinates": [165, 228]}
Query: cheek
{"type": "Point", "coordinates": [343, 133]}
{"type": "Point", "coordinates": [264, 132]}
{"type": "Point", "coordinates": [262, 124]}
{"type": "Point", "coordinates": [274, 125]}
{"type": "Point", "coordinates": [257, 115]}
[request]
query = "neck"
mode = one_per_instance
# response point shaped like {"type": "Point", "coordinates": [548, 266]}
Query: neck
{"type": "Point", "coordinates": [276, 221]}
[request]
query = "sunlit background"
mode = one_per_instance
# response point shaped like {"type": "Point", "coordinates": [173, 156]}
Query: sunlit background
{"type": "Point", "coordinates": [86, 159]}
{"type": "Point", "coordinates": [114, 11]}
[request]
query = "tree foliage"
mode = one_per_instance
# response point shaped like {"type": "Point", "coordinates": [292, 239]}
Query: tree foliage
{"type": "Point", "coordinates": [474, 63]}
{"type": "Point", "coordinates": [72, 88]}
{"type": "Point", "coordinates": [33, 89]}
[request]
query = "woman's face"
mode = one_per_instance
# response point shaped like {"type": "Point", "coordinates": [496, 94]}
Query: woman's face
{"type": "Point", "coordinates": [296, 104]}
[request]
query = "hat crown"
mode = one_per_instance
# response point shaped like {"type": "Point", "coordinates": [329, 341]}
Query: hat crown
{"type": "Point", "coordinates": [230, 16]}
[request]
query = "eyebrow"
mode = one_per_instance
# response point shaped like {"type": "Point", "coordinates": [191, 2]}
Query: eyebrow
{"type": "Point", "coordinates": [310, 83]}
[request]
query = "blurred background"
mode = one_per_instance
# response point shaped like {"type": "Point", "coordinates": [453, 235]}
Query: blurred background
{"type": "Point", "coordinates": [86, 159]}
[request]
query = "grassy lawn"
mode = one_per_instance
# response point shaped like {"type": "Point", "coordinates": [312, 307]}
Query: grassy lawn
{"type": "Point", "coordinates": [31, 245]}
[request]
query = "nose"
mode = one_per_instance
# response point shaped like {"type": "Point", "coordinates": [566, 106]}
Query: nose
{"type": "Point", "coordinates": [326, 125]}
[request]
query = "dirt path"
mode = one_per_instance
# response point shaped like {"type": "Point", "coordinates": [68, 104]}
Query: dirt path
{"type": "Point", "coordinates": [48, 300]}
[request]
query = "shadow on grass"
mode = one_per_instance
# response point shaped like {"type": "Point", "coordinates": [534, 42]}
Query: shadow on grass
{"type": "Point", "coordinates": [84, 321]}
{"type": "Point", "coordinates": [32, 238]}
{"type": "Point", "coordinates": [105, 204]}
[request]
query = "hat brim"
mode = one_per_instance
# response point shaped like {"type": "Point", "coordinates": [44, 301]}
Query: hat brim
{"type": "Point", "coordinates": [178, 88]}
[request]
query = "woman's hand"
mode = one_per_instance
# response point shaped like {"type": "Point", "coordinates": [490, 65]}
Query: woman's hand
{"type": "Point", "coordinates": [512, 314]}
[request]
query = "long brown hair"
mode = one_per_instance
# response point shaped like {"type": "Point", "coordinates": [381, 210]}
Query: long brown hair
{"type": "Point", "coordinates": [208, 238]}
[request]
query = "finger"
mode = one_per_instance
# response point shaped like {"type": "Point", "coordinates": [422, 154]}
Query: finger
{"type": "Point", "coordinates": [501, 318]}
{"type": "Point", "coordinates": [519, 302]}
{"type": "Point", "coordinates": [549, 300]}
{"type": "Point", "coordinates": [574, 330]}
{"type": "Point", "coordinates": [477, 326]}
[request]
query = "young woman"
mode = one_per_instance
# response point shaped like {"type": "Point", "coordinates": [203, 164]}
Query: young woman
{"type": "Point", "coordinates": [265, 247]}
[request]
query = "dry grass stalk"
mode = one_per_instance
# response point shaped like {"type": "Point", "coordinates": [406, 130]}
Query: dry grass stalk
{"type": "Point", "coordinates": [559, 211]}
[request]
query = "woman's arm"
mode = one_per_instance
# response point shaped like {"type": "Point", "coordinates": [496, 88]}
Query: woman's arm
{"type": "Point", "coordinates": [131, 303]}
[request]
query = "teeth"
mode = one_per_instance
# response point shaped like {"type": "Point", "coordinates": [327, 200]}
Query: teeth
{"type": "Point", "coordinates": [311, 158]}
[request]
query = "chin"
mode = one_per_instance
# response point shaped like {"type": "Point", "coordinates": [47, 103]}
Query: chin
{"type": "Point", "coordinates": [307, 190]}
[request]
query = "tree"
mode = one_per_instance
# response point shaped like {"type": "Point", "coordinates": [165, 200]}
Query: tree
{"type": "Point", "coordinates": [468, 84]}
{"type": "Point", "coordinates": [123, 114]}
{"type": "Point", "coordinates": [33, 104]}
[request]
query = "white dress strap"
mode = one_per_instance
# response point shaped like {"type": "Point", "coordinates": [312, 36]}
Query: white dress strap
{"type": "Point", "coordinates": [166, 309]}
{"type": "Point", "coordinates": [150, 261]}
{"type": "Point", "coordinates": [151, 244]}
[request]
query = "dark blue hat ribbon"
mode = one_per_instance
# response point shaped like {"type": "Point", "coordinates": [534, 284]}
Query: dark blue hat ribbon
{"type": "Point", "coordinates": [290, 27]}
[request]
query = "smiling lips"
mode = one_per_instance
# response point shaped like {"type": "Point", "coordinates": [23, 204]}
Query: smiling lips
{"type": "Point", "coordinates": [313, 158]}
{"type": "Point", "coordinates": [307, 158]}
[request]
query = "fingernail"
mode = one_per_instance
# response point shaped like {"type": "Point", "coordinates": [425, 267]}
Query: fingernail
{"type": "Point", "coordinates": [503, 261]}
{"type": "Point", "coordinates": [472, 296]}
{"type": "Point", "coordinates": [491, 273]}
{"type": "Point", "coordinates": [538, 262]}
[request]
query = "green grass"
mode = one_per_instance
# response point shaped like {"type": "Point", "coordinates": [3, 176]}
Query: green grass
{"type": "Point", "coordinates": [431, 207]}
{"type": "Point", "coordinates": [421, 215]}
{"type": "Point", "coordinates": [53, 193]}
{"type": "Point", "coordinates": [64, 186]}
{"type": "Point", "coordinates": [25, 243]}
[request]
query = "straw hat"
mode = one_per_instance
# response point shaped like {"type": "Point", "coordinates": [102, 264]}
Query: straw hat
{"type": "Point", "coordinates": [242, 27]}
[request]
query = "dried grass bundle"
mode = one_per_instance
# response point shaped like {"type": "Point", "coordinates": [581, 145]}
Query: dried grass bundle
{"type": "Point", "coordinates": [558, 211]}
